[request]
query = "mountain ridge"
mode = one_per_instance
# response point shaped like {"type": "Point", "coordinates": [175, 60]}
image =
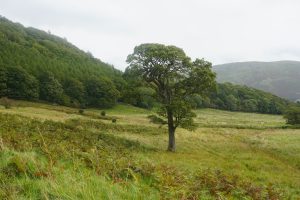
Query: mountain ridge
{"type": "Point", "coordinates": [281, 78]}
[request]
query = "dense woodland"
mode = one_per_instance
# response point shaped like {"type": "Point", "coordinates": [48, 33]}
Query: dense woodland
{"type": "Point", "coordinates": [38, 66]}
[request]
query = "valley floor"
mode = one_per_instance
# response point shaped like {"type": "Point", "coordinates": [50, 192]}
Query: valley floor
{"type": "Point", "coordinates": [53, 152]}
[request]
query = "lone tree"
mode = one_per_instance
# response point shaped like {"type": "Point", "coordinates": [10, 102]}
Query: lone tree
{"type": "Point", "coordinates": [175, 79]}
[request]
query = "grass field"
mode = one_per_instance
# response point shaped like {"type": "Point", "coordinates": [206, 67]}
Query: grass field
{"type": "Point", "coordinates": [53, 152]}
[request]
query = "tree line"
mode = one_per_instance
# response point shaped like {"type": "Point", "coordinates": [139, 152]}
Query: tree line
{"type": "Point", "coordinates": [17, 83]}
{"type": "Point", "coordinates": [227, 96]}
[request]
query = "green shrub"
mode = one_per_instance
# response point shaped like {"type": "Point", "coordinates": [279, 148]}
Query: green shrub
{"type": "Point", "coordinates": [114, 120]}
{"type": "Point", "coordinates": [292, 115]}
{"type": "Point", "coordinates": [103, 113]}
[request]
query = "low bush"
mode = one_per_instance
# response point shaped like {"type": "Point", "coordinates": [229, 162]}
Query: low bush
{"type": "Point", "coordinates": [156, 120]}
{"type": "Point", "coordinates": [292, 115]}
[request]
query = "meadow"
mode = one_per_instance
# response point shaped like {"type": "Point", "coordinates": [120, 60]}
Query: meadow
{"type": "Point", "coordinates": [54, 152]}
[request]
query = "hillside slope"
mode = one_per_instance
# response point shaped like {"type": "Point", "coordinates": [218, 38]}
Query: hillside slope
{"type": "Point", "coordinates": [281, 78]}
{"type": "Point", "coordinates": [35, 65]}
{"type": "Point", "coordinates": [36, 50]}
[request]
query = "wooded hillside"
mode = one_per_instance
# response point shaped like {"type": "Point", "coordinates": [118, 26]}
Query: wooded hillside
{"type": "Point", "coordinates": [56, 70]}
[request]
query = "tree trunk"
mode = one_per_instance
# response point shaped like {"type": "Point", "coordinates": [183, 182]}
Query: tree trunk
{"type": "Point", "coordinates": [171, 146]}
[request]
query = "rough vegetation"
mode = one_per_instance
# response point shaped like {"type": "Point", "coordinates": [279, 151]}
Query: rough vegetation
{"type": "Point", "coordinates": [60, 154]}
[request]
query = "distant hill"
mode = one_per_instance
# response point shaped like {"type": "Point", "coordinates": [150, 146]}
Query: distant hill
{"type": "Point", "coordinates": [281, 78]}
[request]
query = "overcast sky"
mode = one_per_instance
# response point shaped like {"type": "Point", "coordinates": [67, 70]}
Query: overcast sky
{"type": "Point", "coordinates": [220, 31]}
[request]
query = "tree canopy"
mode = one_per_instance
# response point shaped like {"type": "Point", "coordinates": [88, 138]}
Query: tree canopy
{"type": "Point", "coordinates": [16, 83]}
